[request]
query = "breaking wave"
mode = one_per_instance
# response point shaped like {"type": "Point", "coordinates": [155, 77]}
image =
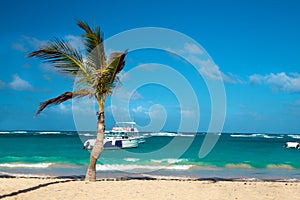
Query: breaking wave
{"type": "Point", "coordinates": [131, 159]}
{"type": "Point", "coordinates": [168, 134]}
{"type": "Point", "coordinates": [49, 132]}
{"type": "Point", "coordinates": [169, 160]}
{"type": "Point", "coordinates": [258, 135]}
{"type": "Point", "coordinates": [123, 167]}
{"type": "Point", "coordinates": [23, 165]}
{"type": "Point", "coordinates": [294, 136]}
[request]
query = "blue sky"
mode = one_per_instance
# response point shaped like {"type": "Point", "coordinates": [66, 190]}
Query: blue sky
{"type": "Point", "coordinates": [255, 46]}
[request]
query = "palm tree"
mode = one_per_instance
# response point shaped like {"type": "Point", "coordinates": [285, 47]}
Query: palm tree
{"type": "Point", "coordinates": [96, 75]}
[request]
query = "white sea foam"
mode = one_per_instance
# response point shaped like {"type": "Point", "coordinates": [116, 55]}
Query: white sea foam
{"type": "Point", "coordinates": [49, 132]}
{"type": "Point", "coordinates": [186, 135]}
{"type": "Point", "coordinates": [259, 135]}
{"type": "Point", "coordinates": [131, 159]}
{"type": "Point", "coordinates": [167, 134]}
{"type": "Point", "coordinates": [87, 134]}
{"type": "Point", "coordinates": [163, 134]}
{"type": "Point", "coordinates": [235, 135]}
{"type": "Point", "coordinates": [119, 167]}
{"type": "Point", "coordinates": [169, 160]}
{"type": "Point", "coordinates": [272, 137]}
{"type": "Point", "coordinates": [23, 165]}
{"type": "Point", "coordinates": [4, 132]}
{"type": "Point", "coordinates": [19, 132]}
{"type": "Point", "coordinates": [294, 136]}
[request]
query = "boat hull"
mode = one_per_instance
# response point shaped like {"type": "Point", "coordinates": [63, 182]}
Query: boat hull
{"type": "Point", "coordinates": [113, 143]}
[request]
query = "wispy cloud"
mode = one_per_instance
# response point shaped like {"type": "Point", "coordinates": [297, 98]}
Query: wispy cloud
{"type": "Point", "coordinates": [188, 113]}
{"type": "Point", "coordinates": [212, 71]}
{"type": "Point", "coordinates": [27, 43]}
{"type": "Point", "coordinates": [278, 82]}
{"type": "Point", "coordinates": [64, 108]}
{"type": "Point", "coordinates": [19, 47]}
{"type": "Point", "coordinates": [19, 84]}
{"type": "Point", "coordinates": [138, 109]}
{"type": "Point", "coordinates": [193, 49]}
{"type": "Point", "coordinates": [122, 94]}
{"type": "Point", "coordinates": [75, 41]}
{"type": "Point", "coordinates": [206, 67]}
{"type": "Point", "coordinates": [232, 78]}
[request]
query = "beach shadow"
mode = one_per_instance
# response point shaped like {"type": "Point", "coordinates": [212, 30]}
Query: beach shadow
{"type": "Point", "coordinates": [33, 188]}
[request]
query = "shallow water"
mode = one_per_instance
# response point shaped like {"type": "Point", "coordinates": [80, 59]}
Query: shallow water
{"type": "Point", "coordinates": [235, 156]}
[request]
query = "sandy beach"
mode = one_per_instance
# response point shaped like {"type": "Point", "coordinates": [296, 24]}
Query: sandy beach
{"type": "Point", "coordinates": [32, 188]}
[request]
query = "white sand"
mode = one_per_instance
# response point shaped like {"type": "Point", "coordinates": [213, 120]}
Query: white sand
{"type": "Point", "coordinates": [22, 188]}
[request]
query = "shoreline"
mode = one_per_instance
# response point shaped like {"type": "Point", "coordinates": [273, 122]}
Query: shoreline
{"type": "Point", "coordinates": [57, 188]}
{"type": "Point", "coordinates": [148, 178]}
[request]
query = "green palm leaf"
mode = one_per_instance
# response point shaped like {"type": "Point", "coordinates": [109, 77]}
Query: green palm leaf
{"type": "Point", "coordinates": [108, 76]}
{"type": "Point", "coordinates": [62, 98]}
{"type": "Point", "coordinates": [61, 55]}
{"type": "Point", "coordinates": [93, 40]}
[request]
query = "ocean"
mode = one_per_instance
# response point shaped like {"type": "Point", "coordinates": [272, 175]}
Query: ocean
{"type": "Point", "coordinates": [235, 156]}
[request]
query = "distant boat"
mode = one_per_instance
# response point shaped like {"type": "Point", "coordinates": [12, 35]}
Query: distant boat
{"type": "Point", "coordinates": [292, 145]}
{"type": "Point", "coordinates": [113, 143]}
{"type": "Point", "coordinates": [128, 129]}
{"type": "Point", "coordinates": [123, 135]}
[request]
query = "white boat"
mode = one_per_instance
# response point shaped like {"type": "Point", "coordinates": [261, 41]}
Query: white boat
{"type": "Point", "coordinates": [292, 145]}
{"type": "Point", "coordinates": [123, 135]}
{"type": "Point", "coordinates": [113, 143]}
{"type": "Point", "coordinates": [127, 129]}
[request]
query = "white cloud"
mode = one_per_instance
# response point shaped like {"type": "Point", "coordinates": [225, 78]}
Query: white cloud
{"type": "Point", "coordinates": [138, 109]}
{"type": "Point", "coordinates": [122, 94]}
{"type": "Point", "coordinates": [231, 78]}
{"type": "Point", "coordinates": [192, 49]}
{"type": "Point", "coordinates": [206, 67]}
{"type": "Point", "coordinates": [212, 71]}
{"type": "Point", "coordinates": [34, 42]}
{"type": "Point", "coordinates": [64, 108]}
{"type": "Point", "coordinates": [278, 82]}
{"type": "Point", "coordinates": [256, 79]}
{"type": "Point", "coordinates": [75, 41]}
{"type": "Point", "coordinates": [20, 84]}
{"type": "Point", "coordinates": [84, 105]}
{"type": "Point", "coordinates": [188, 49]}
{"type": "Point", "coordinates": [115, 108]}
{"type": "Point", "coordinates": [27, 43]}
{"type": "Point", "coordinates": [188, 113]}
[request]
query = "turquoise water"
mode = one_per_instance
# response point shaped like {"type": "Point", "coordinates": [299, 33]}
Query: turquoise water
{"type": "Point", "coordinates": [235, 156]}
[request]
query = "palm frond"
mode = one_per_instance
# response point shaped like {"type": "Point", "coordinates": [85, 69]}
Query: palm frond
{"type": "Point", "coordinates": [93, 40]}
{"type": "Point", "coordinates": [108, 77]}
{"type": "Point", "coordinates": [61, 55]}
{"type": "Point", "coordinates": [62, 98]}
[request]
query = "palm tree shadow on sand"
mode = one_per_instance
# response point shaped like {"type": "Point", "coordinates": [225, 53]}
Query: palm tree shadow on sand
{"type": "Point", "coordinates": [34, 188]}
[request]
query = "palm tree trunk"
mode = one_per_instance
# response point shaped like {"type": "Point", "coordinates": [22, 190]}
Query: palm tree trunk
{"type": "Point", "coordinates": [98, 147]}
